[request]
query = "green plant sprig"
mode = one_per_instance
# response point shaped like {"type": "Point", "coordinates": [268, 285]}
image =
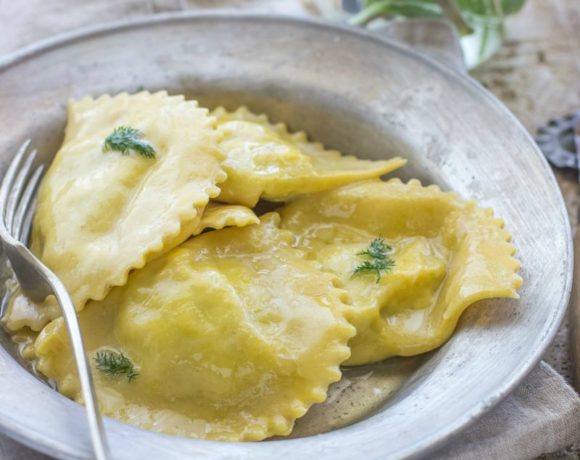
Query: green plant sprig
{"type": "Point", "coordinates": [125, 139]}
{"type": "Point", "coordinates": [380, 261]}
{"type": "Point", "coordinates": [115, 363]}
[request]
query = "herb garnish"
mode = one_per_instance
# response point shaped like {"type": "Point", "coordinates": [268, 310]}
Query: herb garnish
{"type": "Point", "coordinates": [124, 139]}
{"type": "Point", "coordinates": [115, 363]}
{"type": "Point", "coordinates": [380, 262]}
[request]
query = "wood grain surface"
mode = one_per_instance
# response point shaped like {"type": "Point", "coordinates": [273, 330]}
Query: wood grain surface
{"type": "Point", "coordinates": [574, 320]}
{"type": "Point", "coordinates": [537, 75]}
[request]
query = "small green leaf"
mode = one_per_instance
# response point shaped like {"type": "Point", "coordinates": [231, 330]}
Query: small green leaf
{"type": "Point", "coordinates": [125, 139]}
{"type": "Point", "coordinates": [115, 363]}
{"type": "Point", "coordinates": [380, 261]}
{"type": "Point", "coordinates": [377, 249]}
{"type": "Point", "coordinates": [491, 7]}
{"type": "Point", "coordinates": [396, 8]}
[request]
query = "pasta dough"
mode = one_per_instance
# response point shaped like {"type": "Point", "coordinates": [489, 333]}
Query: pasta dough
{"type": "Point", "coordinates": [217, 216]}
{"type": "Point", "coordinates": [102, 214]}
{"type": "Point", "coordinates": [22, 312]}
{"type": "Point", "coordinates": [234, 335]}
{"type": "Point", "coordinates": [448, 254]}
{"type": "Point", "coordinates": [265, 160]}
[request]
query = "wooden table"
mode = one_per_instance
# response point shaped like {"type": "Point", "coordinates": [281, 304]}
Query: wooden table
{"type": "Point", "coordinates": [537, 75]}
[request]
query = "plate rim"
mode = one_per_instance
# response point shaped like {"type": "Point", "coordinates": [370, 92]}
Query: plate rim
{"type": "Point", "coordinates": [451, 430]}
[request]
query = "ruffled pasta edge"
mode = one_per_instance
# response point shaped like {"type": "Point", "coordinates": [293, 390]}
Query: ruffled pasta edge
{"type": "Point", "coordinates": [187, 214]}
{"type": "Point", "coordinates": [300, 138]}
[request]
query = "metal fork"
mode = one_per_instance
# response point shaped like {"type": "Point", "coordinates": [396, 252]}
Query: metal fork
{"type": "Point", "coordinates": [17, 203]}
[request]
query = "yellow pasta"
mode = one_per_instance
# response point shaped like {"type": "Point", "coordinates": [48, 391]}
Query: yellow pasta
{"type": "Point", "coordinates": [218, 215]}
{"type": "Point", "coordinates": [22, 312]}
{"type": "Point", "coordinates": [447, 254]}
{"type": "Point", "coordinates": [233, 334]}
{"type": "Point", "coordinates": [102, 214]}
{"type": "Point", "coordinates": [265, 160]}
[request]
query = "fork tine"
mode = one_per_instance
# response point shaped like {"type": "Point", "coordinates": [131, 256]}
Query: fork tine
{"type": "Point", "coordinates": [8, 179]}
{"type": "Point", "coordinates": [27, 222]}
{"type": "Point", "coordinates": [24, 204]}
{"type": "Point", "coordinates": [16, 191]}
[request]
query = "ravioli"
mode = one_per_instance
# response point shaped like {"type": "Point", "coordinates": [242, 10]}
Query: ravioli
{"type": "Point", "coordinates": [101, 214]}
{"type": "Point", "coordinates": [218, 215]}
{"type": "Point", "coordinates": [235, 333]}
{"type": "Point", "coordinates": [264, 160]}
{"type": "Point", "coordinates": [447, 254]}
{"type": "Point", "coordinates": [22, 312]}
{"type": "Point", "coordinates": [234, 336]}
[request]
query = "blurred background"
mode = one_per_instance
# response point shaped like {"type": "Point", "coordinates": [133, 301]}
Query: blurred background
{"type": "Point", "coordinates": [527, 52]}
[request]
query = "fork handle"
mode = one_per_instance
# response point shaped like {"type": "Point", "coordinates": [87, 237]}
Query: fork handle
{"type": "Point", "coordinates": [43, 277]}
{"type": "Point", "coordinates": [95, 420]}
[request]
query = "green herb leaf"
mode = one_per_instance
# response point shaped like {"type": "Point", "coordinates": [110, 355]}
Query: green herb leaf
{"type": "Point", "coordinates": [377, 249]}
{"type": "Point", "coordinates": [373, 9]}
{"type": "Point", "coordinates": [381, 262]}
{"type": "Point", "coordinates": [125, 139]}
{"type": "Point", "coordinates": [491, 7]}
{"type": "Point", "coordinates": [115, 363]}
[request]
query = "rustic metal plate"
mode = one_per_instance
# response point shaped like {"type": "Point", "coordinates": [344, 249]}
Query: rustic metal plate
{"type": "Point", "coordinates": [360, 94]}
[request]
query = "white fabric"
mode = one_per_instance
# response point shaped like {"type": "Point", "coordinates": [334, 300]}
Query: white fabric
{"type": "Point", "coordinates": [541, 416]}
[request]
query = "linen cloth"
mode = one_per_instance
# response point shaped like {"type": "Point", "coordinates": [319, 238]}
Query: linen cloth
{"type": "Point", "coordinates": [541, 416]}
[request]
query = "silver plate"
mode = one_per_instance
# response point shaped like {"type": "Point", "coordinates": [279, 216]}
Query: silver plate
{"type": "Point", "coordinates": [362, 95]}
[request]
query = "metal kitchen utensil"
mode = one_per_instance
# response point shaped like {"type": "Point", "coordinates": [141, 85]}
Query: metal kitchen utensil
{"type": "Point", "coordinates": [558, 140]}
{"type": "Point", "coordinates": [17, 198]}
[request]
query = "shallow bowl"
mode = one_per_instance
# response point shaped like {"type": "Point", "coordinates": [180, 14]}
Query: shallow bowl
{"type": "Point", "coordinates": [355, 92]}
